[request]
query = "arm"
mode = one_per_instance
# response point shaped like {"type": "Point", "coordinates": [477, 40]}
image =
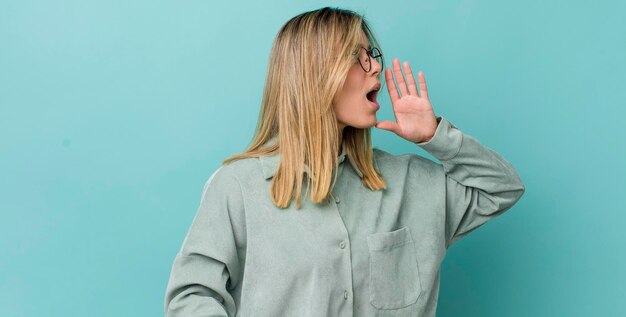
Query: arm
{"type": "Point", "coordinates": [207, 264]}
{"type": "Point", "coordinates": [480, 184]}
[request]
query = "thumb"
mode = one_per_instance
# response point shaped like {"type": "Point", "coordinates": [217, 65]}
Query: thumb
{"type": "Point", "coordinates": [387, 125]}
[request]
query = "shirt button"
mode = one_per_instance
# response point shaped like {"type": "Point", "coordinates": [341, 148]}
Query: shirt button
{"type": "Point", "coordinates": [337, 200]}
{"type": "Point", "coordinates": [342, 244]}
{"type": "Point", "coordinates": [345, 295]}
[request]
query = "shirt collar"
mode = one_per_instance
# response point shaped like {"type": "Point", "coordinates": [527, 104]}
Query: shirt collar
{"type": "Point", "coordinates": [269, 163]}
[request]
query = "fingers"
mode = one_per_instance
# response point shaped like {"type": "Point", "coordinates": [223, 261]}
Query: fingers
{"type": "Point", "coordinates": [391, 86]}
{"type": "Point", "coordinates": [410, 79]}
{"type": "Point", "coordinates": [408, 86]}
{"type": "Point", "coordinates": [423, 88]}
{"type": "Point", "coordinates": [387, 125]}
{"type": "Point", "coordinates": [399, 77]}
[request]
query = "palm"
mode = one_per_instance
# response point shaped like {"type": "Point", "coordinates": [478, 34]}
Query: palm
{"type": "Point", "coordinates": [415, 119]}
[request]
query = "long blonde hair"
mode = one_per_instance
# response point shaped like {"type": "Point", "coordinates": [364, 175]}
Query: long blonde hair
{"type": "Point", "coordinates": [308, 64]}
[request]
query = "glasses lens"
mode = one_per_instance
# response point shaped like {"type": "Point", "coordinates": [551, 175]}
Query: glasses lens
{"type": "Point", "coordinates": [379, 57]}
{"type": "Point", "coordinates": [364, 59]}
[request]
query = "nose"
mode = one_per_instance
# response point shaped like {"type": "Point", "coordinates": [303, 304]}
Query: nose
{"type": "Point", "coordinates": [376, 66]}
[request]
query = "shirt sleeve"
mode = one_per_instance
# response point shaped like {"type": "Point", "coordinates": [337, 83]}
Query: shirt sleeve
{"type": "Point", "coordinates": [206, 266]}
{"type": "Point", "coordinates": [480, 184]}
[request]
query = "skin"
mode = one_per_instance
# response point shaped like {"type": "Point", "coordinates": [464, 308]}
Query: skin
{"type": "Point", "coordinates": [415, 119]}
{"type": "Point", "coordinates": [350, 103]}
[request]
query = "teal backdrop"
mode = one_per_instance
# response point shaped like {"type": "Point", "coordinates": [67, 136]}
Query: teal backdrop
{"type": "Point", "coordinates": [113, 114]}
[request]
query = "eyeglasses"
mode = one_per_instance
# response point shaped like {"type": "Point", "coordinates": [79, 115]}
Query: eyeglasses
{"type": "Point", "coordinates": [365, 60]}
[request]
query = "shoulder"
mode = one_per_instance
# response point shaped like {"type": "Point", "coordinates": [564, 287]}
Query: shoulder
{"type": "Point", "coordinates": [226, 174]}
{"type": "Point", "coordinates": [405, 162]}
{"type": "Point", "coordinates": [235, 173]}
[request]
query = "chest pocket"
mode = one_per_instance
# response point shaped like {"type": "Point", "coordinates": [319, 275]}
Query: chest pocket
{"type": "Point", "coordinates": [394, 271]}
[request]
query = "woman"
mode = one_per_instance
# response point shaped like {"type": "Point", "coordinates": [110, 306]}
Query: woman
{"type": "Point", "coordinates": [368, 237]}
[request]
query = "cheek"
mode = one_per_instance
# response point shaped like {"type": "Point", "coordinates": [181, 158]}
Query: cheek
{"type": "Point", "coordinates": [352, 91]}
{"type": "Point", "coordinates": [355, 79]}
{"type": "Point", "coordinates": [347, 103]}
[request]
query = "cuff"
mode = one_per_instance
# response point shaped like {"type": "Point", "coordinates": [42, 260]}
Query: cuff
{"type": "Point", "coordinates": [446, 142]}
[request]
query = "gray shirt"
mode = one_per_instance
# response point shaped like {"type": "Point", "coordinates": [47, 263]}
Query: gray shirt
{"type": "Point", "coordinates": [362, 253]}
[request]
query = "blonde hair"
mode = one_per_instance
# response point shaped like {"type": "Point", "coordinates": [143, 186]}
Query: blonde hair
{"type": "Point", "coordinates": [308, 64]}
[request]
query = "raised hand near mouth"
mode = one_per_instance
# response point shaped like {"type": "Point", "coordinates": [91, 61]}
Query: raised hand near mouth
{"type": "Point", "coordinates": [415, 119]}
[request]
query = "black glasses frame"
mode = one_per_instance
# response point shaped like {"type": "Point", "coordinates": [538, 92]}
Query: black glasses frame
{"type": "Point", "coordinates": [373, 52]}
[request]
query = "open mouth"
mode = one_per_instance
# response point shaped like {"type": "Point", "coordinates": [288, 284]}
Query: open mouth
{"type": "Point", "coordinates": [371, 95]}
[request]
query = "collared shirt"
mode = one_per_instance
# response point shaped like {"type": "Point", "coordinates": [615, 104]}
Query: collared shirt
{"type": "Point", "coordinates": [362, 253]}
{"type": "Point", "coordinates": [270, 164]}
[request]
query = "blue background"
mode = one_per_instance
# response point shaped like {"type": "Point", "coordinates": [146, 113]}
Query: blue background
{"type": "Point", "coordinates": [113, 114]}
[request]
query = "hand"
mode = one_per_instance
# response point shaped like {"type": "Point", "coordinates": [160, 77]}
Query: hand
{"type": "Point", "coordinates": [415, 119]}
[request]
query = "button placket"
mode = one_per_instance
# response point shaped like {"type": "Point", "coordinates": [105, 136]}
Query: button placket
{"type": "Point", "coordinates": [336, 199]}
{"type": "Point", "coordinates": [343, 244]}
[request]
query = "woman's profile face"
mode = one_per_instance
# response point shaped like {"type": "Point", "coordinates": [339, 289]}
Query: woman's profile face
{"type": "Point", "coordinates": [351, 104]}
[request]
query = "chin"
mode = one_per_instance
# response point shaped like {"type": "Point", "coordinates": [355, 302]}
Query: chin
{"type": "Point", "coordinates": [368, 122]}
{"type": "Point", "coordinates": [372, 120]}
